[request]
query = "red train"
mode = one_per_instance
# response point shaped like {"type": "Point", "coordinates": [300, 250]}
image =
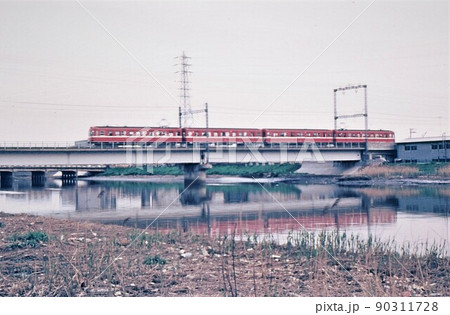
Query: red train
{"type": "Point", "coordinates": [120, 136]}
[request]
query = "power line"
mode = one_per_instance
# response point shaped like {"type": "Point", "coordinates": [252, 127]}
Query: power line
{"type": "Point", "coordinates": [62, 105]}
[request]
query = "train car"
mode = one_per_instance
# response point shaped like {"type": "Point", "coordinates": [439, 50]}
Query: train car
{"type": "Point", "coordinates": [112, 136]}
{"type": "Point", "coordinates": [223, 136]}
{"type": "Point", "coordinates": [322, 137]}
{"type": "Point", "coordinates": [124, 135]}
{"type": "Point", "coordinates": [358, 136]}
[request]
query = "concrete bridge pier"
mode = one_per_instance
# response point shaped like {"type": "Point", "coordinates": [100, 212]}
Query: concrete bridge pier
{"type": "Point", "coordinates": [195, 174]}
{"type": "Point", "coordinates": [69, 178]}
{"type": "Point", "coordinates": [6, 179]}
{"type": "Point", "coordinates": [38, 178]}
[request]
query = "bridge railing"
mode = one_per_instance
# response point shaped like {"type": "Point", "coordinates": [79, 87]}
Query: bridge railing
{"type": "Point", "coordinates": [38, 145]}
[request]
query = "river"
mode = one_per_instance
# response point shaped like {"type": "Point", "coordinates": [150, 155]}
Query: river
{"type": "Point", "coordinates": [409, 214]}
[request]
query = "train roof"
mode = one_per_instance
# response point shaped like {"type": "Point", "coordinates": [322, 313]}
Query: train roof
{"type": "Point", "coordinates": [363, 130]}
{"type": "Point", "coordinates": [218, 128]}
{"type": "Point", "coordinates": [139, 127]}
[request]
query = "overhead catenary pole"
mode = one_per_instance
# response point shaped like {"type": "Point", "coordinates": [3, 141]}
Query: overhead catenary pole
{"type": "Point", "coordinates": [364, 114]}
{"type": "Point", "coordinates": [335, 119]}
{"type": "Point", "coordinates": [366, 123]}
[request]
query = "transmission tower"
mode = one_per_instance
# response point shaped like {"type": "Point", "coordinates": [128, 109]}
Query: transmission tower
{"type": "Point", "coordinates": [186, 116]}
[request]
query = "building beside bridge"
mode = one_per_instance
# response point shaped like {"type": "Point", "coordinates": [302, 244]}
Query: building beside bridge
{"type": "Point", "coordinates": [421, 150]}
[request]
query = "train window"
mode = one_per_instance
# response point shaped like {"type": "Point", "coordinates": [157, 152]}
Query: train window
{"type": "Point", "coordinates": [117, 133]}
{"type": "Point", "coordinates": [227, 134]}
{"type": "Point", "coordinates": [234, 134]}
{"type": "Point", "coordinates": [138, 133]}
{"type": "Point", "coordinates": [102, 133]}
{"type": "Point", "coordinates": [259, 134]}
{"type": "Point", "coordinates": [308, 134]}
{"type": "Point", "coordinates": [275, 134]}
{"type": "Point", "coordinates": [124, 133]}
{"type": "Point", "coordinates": [215, 134]}
{"type": "Point", "coordinates": [91, 133]}
{"type": "Point", "coordinates": [315, 134]}
{"type": "Point", "coordinates": [223, 134]}
{"type": "Point", "coordinates": [178, 133]}
{"type": "Point", "coordinates": [268, 134]}
{"type": "Point", "coordinates": [131, 133]}
{"type": "Point", "coordinates": [245, 133]}
{"type": "Point", "coordinates": [110, 133]}
{"type": "Point", "coordinates": [240, 133]}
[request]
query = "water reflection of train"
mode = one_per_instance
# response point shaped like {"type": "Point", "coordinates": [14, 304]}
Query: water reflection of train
{"type": "Point", "coordinates": [223, 208]}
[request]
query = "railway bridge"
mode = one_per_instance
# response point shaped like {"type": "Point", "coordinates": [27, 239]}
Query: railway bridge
{"type": "Point", "coordinates": [70, 159]}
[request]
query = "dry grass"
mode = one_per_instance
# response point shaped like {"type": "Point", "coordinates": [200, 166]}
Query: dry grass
{"type": "Point", "coordinates": [87, 259]}
{"type": "Point", "coordinates": [386, 171]}
{"type": "Point", "coordinates": [444, 171]}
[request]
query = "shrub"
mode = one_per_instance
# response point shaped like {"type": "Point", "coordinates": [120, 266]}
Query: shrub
{"type": "Point", "coordinates": [31, 239]}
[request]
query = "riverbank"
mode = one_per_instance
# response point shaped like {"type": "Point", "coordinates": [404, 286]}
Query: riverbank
{"type": "Point", "coordinates": [373, 175]}
{"type": "Point", "coordinates": [213, 179]}
{"type": "Point", "coordinates": [399, 175]}
{"type": "Point", "coordinates": [52, 257]}
{"type": "Point", "coordinates": [241, 170]}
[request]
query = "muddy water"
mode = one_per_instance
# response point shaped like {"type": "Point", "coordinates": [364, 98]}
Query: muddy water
{"type": "Point", "coordinates": [417, 215]}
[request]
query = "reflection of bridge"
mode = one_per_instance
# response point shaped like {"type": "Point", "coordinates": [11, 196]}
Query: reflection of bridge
{"type": "Point", "coordinates": [257, 213]}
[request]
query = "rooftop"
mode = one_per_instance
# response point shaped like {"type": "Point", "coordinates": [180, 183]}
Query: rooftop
{"type": "Point", "coordinates": [425, 139]}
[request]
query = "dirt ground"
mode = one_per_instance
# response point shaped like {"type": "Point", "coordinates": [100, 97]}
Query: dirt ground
{"type": "Point", "coordinates": [52, 257]}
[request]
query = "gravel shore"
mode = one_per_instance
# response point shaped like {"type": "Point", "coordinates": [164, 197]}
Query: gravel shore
{"type": "Point", "coordinates": [51, 257]}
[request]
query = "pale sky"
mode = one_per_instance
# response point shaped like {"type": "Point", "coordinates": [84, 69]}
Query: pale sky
{"type": "Point", "coordinates": [61, 72]}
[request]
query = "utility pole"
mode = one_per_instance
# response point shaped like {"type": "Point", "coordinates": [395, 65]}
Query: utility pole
{"type": "Point", "coordinates": [207, 132]}
{"type": "Point", "coordinates": [186, 113]}
{"type": "Point", "coordinates": [444, 146]}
